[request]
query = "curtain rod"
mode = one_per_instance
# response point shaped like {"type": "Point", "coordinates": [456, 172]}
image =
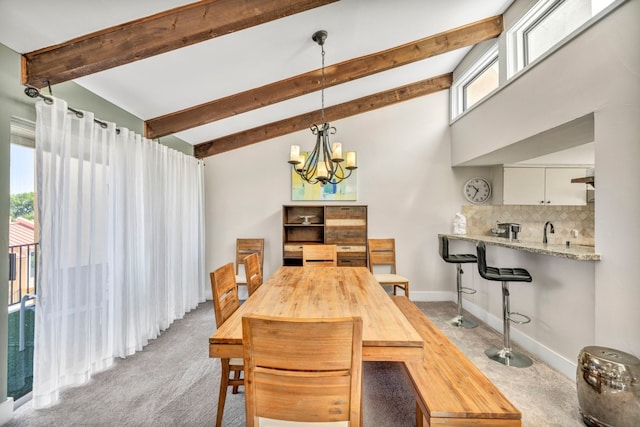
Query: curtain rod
{"type": "Point", "coordinates": [33, 92]}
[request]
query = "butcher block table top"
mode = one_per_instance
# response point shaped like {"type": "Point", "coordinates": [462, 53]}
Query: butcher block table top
{"type": "Point", "coordinates": [321, 292]}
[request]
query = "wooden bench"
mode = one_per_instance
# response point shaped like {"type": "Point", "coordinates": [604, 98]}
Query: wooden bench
{"type": "Point", "coordinates": [449, 389]}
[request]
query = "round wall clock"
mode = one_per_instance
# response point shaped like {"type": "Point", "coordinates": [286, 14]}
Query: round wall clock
{"type": "Point", "coordinates": [477, 190]}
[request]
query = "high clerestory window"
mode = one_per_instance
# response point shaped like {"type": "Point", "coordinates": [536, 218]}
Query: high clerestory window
{"type": "Point", "coordinates": [479, 81]}
{"type": "Point", "coordinates": [546, 25]}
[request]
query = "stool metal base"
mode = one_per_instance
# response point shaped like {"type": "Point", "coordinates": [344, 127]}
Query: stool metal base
{"type": "Point", "coordinates": [462, 322]}
{"type": "Point", "coordinates": [508, 357]}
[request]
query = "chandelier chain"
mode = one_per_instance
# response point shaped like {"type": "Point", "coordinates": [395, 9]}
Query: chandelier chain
{"type": "Point", "coordinates": [322, 90]}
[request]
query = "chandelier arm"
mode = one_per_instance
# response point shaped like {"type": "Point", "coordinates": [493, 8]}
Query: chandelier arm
{"type": "Point", "coordinates": [340, 176]}
{"type": "Point", "coordinates": [311, 163]}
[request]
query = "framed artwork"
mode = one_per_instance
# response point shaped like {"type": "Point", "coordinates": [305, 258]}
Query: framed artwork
{"type": "Point", "coordinates": [303, 191]}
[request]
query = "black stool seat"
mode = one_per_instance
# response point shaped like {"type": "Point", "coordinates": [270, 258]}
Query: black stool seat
{"type": "Point", "coordinates": [459, 321]}
{"type": "Point", "coordinates": [460, 258]}
{"type": "Point", "coordinates": [454, 258]}
{"type": "Point", "coordinates": [506, 274]}
{"type": "Point", "coordinates": [505, 355]}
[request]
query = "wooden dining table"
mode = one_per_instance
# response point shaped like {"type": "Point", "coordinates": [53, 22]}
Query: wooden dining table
{"type": "Point", "coordinates": [322, 292]}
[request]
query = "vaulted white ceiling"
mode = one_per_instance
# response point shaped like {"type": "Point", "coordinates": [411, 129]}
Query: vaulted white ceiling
{"type": "Point", "coordinates": [249, 58]}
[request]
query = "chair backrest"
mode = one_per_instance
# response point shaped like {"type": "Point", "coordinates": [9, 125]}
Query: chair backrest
{"type": "Point", "coordinates": [382, 252]}
{"type": "Point", "coordinates": [290, 364]}
{"type": "Point", "coordinates": [320, 255]}
{"type": "Point", "coordinates": [254, 272]}
{"type": "Point", "coordinates": [225, 293]}
{"type": "Point", "coordinates": [444, 247]}
{"type": "Point", "coordinates": [482, 259]}
{"type": "Point", "coordinates": [245, 247]}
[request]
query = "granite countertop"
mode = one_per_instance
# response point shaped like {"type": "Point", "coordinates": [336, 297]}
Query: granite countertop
{"type": "Point", "coordinates": [577, 252]}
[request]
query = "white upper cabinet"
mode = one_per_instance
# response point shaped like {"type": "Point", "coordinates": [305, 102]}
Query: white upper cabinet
{"type": "Point", "coordinates": [543, 186]}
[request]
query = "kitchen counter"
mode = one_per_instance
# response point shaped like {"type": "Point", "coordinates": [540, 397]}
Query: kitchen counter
{"type": "Point", "coordinates": [577, 252]}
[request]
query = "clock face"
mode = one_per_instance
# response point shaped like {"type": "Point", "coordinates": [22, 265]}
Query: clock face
{"type": "Point", "coordinates": [477, 190]}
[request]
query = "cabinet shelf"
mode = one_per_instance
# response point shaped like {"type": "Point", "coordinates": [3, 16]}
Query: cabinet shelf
{"type": "Point", "coordinates": [344, 226]}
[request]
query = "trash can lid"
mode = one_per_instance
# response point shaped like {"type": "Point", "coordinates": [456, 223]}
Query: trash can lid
{"type": "Point", "coordinates": [612, 355]}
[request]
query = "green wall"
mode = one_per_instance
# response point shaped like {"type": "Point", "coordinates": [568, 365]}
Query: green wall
{"type": "Point", "coordinates": [13, 102]}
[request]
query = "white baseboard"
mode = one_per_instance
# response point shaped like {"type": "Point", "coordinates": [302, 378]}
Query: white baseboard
{"type": "Point", "coordinates": [431, 296]}
{"type": "Point", "coordinates": [542, 352]}
{"type": "Point", "coordinates": [6, 411]}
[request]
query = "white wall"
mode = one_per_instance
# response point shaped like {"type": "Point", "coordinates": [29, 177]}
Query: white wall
{"type": "Point", "coordinates": [404, 177]}
{"type": "Point", "coordinates": [596, 72]}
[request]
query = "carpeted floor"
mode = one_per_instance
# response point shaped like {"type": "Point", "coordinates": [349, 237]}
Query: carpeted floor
{"type": "Point", "coordinates": [173, 382]}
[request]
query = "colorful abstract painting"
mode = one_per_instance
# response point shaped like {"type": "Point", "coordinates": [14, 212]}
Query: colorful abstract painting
{"type": "Point", "coordinates": [345, 190]}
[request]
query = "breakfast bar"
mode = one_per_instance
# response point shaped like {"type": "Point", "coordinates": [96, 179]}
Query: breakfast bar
{"type": "Point", "coordinates": [562, 286]}
{"type": "Point", "coordinates": [575, 252]}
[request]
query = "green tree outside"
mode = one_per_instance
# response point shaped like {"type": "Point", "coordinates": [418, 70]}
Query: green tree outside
{"type": "Point", "coordinates": [21, 205]}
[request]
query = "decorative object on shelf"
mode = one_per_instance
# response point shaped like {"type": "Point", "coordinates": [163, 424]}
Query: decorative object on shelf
{"type": "Point", "coordinates": [477, 190]}
{"type": "Point", "coordinates": [306, 219]}
{"type": "Point", "coordinates": [459, 224]}
{"type": "Point", "coordinates": [323, 165]}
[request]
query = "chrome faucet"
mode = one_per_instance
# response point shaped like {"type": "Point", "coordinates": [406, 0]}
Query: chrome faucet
{"type": "Point", "coordinates": [551, 230]}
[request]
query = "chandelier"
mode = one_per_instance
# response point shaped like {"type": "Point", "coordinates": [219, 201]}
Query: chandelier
{"type": "Point", "coordinates": [324, 164]}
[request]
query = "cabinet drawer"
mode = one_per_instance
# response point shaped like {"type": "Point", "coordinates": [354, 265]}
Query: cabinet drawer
{"type": "Point", "coordinates": [346, 212]}
{"type": "Point", "coordinates": [351, 262]}
{"type": "Point", "coordinates": [352, 250]}
{"type": "Point", "coordinates": [345, 235]}
{"type": "Point", "coordinates": [292, 251]}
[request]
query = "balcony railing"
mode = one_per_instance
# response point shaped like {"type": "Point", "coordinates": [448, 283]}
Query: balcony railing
{"type": "Point", "coordinates": [23, 271]}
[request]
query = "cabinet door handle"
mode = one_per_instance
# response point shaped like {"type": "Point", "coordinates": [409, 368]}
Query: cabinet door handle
{"type": "Point", "coordinates": [548, 201]}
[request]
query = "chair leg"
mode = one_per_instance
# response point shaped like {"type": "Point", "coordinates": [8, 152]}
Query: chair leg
{"type": "Point", "coordinates": [222, 395]}
{"type": "Point", "coordinates": [506, 356]}
{"type": "Point", "coordinates": [236, 376]}
{"type": "Point", "coordinates": [460, 321]}
{"type": "Point", "coordinates": [404, 287]}
{"type": "Point", "coordinates": [419, 416]}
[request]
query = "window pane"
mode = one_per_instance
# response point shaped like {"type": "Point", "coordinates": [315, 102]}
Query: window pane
{"type": "Point", "coordinates": [481, 85]}
{"type": "Point", "coordinates": [552, 28]}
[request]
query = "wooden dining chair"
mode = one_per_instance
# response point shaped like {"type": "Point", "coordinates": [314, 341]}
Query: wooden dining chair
{"type": "Point", "coordinates": [302, 370]}
{"type": "Point", "coordinates": [254, 272]}
{"type": "Point", "coordinates": [245, 247]}
{"type": "Point", "coordinates": [382, 253]}
{"type": "Point", "coordinates": [225, 303]}
{"type": "Point", "coordinates": [319, 255]}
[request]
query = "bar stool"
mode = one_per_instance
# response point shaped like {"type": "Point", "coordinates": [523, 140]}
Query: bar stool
{"type": "Point", "coordinates": [459, 321]}
{"type": "Point", "coordinates": [506, 355]}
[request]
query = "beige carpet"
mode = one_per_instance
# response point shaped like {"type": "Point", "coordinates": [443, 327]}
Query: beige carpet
{"type": "Point", "coordinates": [174, 383]}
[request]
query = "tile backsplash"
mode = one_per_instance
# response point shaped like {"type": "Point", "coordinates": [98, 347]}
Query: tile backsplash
{"type": "Point", "coordinates": [481, 219]}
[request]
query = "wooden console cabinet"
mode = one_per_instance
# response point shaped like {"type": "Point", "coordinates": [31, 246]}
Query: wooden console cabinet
{"type": "Point", "coordinates": [344, 226]}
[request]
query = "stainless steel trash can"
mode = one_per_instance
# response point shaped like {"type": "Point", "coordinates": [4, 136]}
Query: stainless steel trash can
{"type": "Point", "coordinates": [608, 385]}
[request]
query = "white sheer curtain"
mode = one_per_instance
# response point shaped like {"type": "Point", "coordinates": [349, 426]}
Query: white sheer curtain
{"type": "Point", "coordinates": [122, 250]}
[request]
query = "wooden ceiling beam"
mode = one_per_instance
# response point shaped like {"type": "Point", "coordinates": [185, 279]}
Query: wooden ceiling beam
{"type": "Point", "coordinates": [303, 84]}
{"type": "Point", "coordinates": [152, 35]}
{"type": "Point", "coordinates": [336, 112]}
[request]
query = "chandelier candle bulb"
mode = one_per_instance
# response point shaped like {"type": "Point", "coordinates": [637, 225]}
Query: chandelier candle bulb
{"type": "Point", "coordinates": [351, 160]}
{"type": "Point", "coordinates": [295, 154]}
{"type": "Point", "coordinates": [336, 152]}
{"type": "Point", "coordinates": [322, 170]}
